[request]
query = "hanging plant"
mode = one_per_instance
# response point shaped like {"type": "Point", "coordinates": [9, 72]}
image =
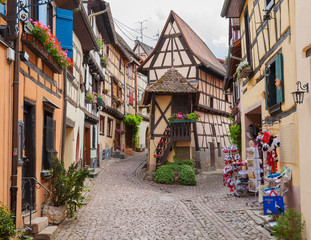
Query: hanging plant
{"type": "Point", "coordinates": [120, 131]}
{"type": "Point", "coordinates": [243, 65]}
{"type": "Point", "coordinates": [103, 57]}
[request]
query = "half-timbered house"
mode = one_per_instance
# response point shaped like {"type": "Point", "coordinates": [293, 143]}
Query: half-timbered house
{"type": "Point", "coordinates": [181, 47]}
{"type": "Point", "coordinates": [268, 47]}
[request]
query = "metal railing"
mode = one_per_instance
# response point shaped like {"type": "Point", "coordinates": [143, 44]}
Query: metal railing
{"type": "Point", "coordinates": [38, 185]}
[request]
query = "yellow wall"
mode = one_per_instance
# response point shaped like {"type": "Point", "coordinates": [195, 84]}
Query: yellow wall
{"type": "Point", "coordinates": [303, 35]}
{"type": "Point", "coordinates": [252, 97]}
{"type": "Point", "coordinates": [6, 107]}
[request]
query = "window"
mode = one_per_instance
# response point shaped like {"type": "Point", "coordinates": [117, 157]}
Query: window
{"type": "Point", "coordinates": [120, 63]}
{"type": "Point", "coordinates": [269, 4]}
{"type": "Point", "coordinates": [49, 134]}
{"type": "Point", "coordinates": [247, 38]}
{"type": "Point", "coordinates": [130, 70]}
{"type": "Point", "coordinates": [219, 149]}
{"type": "Point", "coordinates": [131, 97]}
{"type": "Point", "coordinates": [115, 87]}
{"type": "Point", "coordinates": [107, 51]}
{"type": "Point", "coordinates": [102, 125]}
{"type": "Point", "coordinates": [120, 92]}
{"type": "Point", "coordinates": [274, 82]}
{"type": "Point", "coordinates": [45, 14]}
{"type": "Point", "coordinates": [109, 127]}
{"type": "Point", "coordinates": [181, 104]}
{"type": "Point", "coordinates": [94, 137]}
{"type": "Point", "coordinates": [211, 102]}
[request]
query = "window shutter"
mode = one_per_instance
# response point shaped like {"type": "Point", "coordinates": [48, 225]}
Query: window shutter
{"type": "Point", "coordinates": [64, 29]}
{"type": "Point", "coordinates": [279, 75]}
{"type": "Point", "coordinates": [2, 9]}
{"type": "Point", "coordinates": [266, 89]}
{"type": "Point", "coordinates": [131, 97]}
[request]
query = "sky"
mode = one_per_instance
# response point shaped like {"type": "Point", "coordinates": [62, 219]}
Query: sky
{"type": "Point", "coordinates": [203, 16]}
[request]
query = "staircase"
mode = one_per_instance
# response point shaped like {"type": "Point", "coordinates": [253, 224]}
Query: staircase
{"type": "Point", "coordinates": [175, 131]}
{"type": "Point", "coordinates": [38, 226]}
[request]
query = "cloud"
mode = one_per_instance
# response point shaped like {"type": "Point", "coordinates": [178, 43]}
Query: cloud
{"type": "Point", "coordinates": [222, 41]}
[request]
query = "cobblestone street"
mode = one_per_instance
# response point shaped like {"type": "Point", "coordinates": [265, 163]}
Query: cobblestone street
{"type": "Point", "coordinates": [124, 206]}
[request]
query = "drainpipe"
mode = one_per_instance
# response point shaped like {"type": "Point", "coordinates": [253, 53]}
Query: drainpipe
{"type": "Point", "coordinates": [125, 65]}
{"type": "Point", "coordinates": [15, 160]}
{"type": "Point", "coordinates": [99, 13]}
{"type": "Point", "coordinates": [64, 113]}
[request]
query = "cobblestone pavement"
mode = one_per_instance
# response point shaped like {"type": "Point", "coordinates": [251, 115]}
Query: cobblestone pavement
{"type": "Point", "coordinates": [124, 206]}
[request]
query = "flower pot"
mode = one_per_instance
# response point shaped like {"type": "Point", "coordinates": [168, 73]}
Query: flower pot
{"type": "Point", "coordinates": [88, 100]}
{"type": "Point", "coordinates": [55, 214]}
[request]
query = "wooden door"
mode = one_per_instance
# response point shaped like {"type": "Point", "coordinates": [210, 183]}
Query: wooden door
{"type": "Point", "coordinates": [212, 155]}
{"type": "Point", "coordinates": [87, 146]}
{"type": "Point", "coordinates": [29, 163]}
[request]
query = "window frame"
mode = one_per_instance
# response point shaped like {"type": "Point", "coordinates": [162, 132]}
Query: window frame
{"type": "Point", "coordinates": [109, 127]}
{"type": "Point", "coordinates": [102, 125]}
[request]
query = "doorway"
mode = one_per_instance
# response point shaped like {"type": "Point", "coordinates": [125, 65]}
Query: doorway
{"type": "Point", "coordinates": [87, 146]}
{"type": "Point", "coordinates": [29, 158]}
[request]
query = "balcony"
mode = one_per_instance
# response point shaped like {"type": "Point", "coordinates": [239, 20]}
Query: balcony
{"type": "Point", "coordinates": [181, 130]}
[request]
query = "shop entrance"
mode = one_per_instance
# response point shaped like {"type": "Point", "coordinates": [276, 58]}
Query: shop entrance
{"type": "Point", "coordinates": [252, 124]}
{"type": "Point", "coordinates": [87, 146]}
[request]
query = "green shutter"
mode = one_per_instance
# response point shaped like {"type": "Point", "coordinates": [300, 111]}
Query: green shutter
{"type": "Point", "coordinates": [266, 89]}
{"type": "Point", "coordinates": [279, 75]}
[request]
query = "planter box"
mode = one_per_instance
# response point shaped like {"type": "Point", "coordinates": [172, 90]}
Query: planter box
{"type": "Point", "coordinates": [55, 214]}
{"type": "Point", "coordinates": [41, 52]}
{"type": "Point", "coordinates": [182, 120]}
{"type": "Point", "coordinates": [246, 72]}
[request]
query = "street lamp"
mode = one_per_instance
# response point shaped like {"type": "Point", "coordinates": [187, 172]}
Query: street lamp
{"type": "Point", "coordinates": [299, 94]}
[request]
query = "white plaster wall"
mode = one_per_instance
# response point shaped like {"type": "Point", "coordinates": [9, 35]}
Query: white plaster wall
{"type": "Point", "coordinates": [142, 134]}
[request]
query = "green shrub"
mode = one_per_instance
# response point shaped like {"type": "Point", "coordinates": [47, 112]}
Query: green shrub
{"type": "Point", "coordinates": [187, 175]}
{"type": "Point", "coordinates": [188, 162]}
{"type": "Point", "coordinates": [289, 226]}
{"type": "Point", "coordinates": [66, 186]}
{"type": "Point", "coordinates": [165, 174]}
{"type": "Point", "coordinates": [7, 227]}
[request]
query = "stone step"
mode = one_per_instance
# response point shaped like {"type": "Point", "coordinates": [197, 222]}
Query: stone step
{"type": "Point", "coordinates": [48, 233]}
{"type": "Point", "coordinates": [26, 216]}
{"type": "Point", "coordinates": [38, 224]}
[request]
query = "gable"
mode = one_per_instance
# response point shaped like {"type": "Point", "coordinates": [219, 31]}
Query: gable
{"type": "Point", "coordinates": [180, 46]}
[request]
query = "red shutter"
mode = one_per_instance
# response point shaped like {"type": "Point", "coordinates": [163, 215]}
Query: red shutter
{"type": "Point", "coordinates": [131, 97]}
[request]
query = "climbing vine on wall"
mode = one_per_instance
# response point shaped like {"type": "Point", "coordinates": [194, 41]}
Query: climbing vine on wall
{"type": "Point", "coordinates": [134, 121]}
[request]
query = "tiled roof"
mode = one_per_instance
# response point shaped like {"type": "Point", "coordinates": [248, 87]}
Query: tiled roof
{"type": "Point", "coordinates": [172, 82]}
{"type": "Point", "coordinates": [198, 47]}
{"type": "Point", "coordinates": [146, 47]}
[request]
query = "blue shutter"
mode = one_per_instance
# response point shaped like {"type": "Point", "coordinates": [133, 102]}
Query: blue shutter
{"type": "Point", "coordinates": [64, 29]}
{"type": "Point", "coordinates": [2, 9]}
{"type": "Point", "coordinates": [279, 75]}
{"type": "Point", "coordinates": [266, 89]}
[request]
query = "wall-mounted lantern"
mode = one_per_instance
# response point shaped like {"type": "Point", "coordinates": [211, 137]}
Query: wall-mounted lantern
{"type": "Point", "coordinates": [299, 94]}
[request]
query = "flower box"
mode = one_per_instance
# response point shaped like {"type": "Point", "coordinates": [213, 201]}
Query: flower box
{"type": "Point", "coordinates": [182, 120]}
{"type": "Point", "coordinates": [41, 52]}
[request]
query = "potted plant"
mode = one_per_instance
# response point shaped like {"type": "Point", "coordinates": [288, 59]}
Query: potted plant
{"type": "Point", "coordinates": [118, 100]}
{"type": "Point", "coordinates": [104, 59]}
{"type": "Point", "coordinates": [243, 70]}
{"type": "Point", "coordinates": [106, 91]}
{"type": "Point", "coordinates": [90, 97]}
{"type": "Point", "coordinates": [120, 131]}
{"type": "Point", "coordinates": [66, 187]}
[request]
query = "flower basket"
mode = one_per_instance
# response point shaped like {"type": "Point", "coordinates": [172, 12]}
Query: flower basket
{"type": "Point", "coordinates": [106, 91]}
{"type": "Point", "coordinates": [103, 62]}
{"type": "Point", "coordinates": [89, 98]}
{"type": "Point", "coordinates": [245, 72]}
{"type": "Point", "coordinates": [41, 52]}
{"type": "Point", "coordinates": [187, 117]}
{"type": "Point", "coordinates": [118, 101]}
{"type": "Point", "coordinates": [120, 131]}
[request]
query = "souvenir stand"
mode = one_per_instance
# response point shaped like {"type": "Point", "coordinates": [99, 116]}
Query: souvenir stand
{"type": "Point", "coordinates": [234, 176]}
